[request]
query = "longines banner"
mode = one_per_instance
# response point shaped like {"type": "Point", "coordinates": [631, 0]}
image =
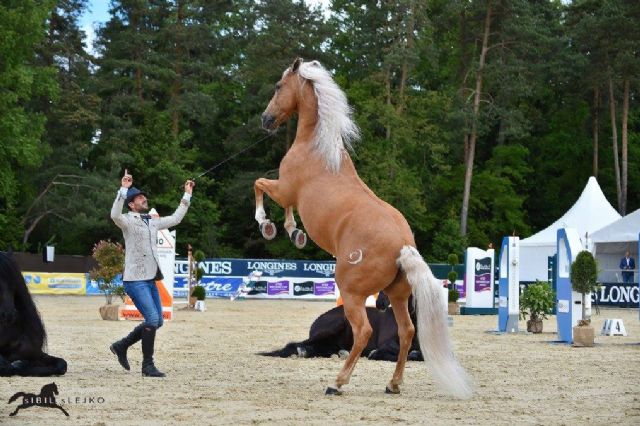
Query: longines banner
{"type": "Point", "coordinates": [279, 279]}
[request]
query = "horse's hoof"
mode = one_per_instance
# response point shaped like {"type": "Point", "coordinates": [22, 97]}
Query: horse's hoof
{"type": "Point", "coordinates": [268, 230]}
{"type": "Point", "coordinates": [332, 391]}
{"type": "Point", "coordinates": [343, 354]}
{"type": "Point", "coordinates": [392, 391]}
{"type": "Point", "coordinates": [299, 238]}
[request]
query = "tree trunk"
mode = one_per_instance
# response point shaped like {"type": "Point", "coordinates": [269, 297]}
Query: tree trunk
{"type": "Point", "coordinates": [387, 86]}
{"type": "Point", "coordinates": [463, 73]}
{"type": "Point", "coordinates": [405, 62]}
{"type": "Point", "coordinates": [614, 136]}
{"type": "Point", "coordinates": [177, 82]}
{"type": "Point", "coordinates": [625, 122]}
{"type": "Point", "coordinates": [596, 128]}
{"type": "Point", "coordinates": [474, 125]}
{"type": "Point", "coordinates": [137, 56]}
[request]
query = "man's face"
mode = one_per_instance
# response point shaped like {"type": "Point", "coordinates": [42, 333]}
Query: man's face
{"type": "Point", "coordinates": [139, 204]}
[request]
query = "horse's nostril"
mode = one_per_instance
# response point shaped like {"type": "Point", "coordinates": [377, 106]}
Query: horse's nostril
{"type": "Point", "coordinates": [267, 120]}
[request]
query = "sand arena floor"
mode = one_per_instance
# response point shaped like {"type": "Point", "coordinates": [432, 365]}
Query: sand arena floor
{"type": "Point", "coordinates": [215, 378]}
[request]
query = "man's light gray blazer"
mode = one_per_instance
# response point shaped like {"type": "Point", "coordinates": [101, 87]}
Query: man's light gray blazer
{"type": "Point", "coordinates": [141, 256]}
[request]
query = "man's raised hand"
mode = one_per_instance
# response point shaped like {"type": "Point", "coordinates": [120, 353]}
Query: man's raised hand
{"type": "Point", "coordinates": [127, 179]}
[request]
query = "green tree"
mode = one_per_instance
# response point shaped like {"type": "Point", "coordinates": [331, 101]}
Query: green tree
{"type": "Point", "coordinates": [584, 275]}
{"type": "Point", "coordinates": [22, 80]}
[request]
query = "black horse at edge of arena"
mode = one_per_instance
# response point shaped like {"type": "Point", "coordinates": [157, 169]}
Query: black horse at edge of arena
{"type": "Point", "coordinates": [331, 334]}
{"type": "Point", "coordinates": [22, 334]}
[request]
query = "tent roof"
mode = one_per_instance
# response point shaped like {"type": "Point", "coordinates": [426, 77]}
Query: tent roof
{"type": "Point", "coordinates": [590, 213]}
{"type": "Point", "coordinates": [622, 230]}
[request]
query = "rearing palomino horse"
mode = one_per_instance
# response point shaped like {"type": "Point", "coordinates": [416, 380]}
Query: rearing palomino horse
{"type": "Point", "coordinates": [371, 241]}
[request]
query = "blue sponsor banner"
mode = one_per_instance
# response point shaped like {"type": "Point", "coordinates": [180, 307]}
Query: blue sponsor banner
{"type": "Point", "coordinates": [223, 277]}
{"type": "Point", "coordinates": [214, 286]}
{"type": "Point", "coordinates": [274, 268]}
{"type": "Point", "coordinates": [616, 294]}
{"type": "Point", "coordinates": [93, 286]}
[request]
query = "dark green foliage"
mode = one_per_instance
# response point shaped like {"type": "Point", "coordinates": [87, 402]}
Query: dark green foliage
{"type": "Point", "coordinates": [536, 301]}
{"type": "Point", "coordinates": [584, 273]}
{"type": "Point", "coordinates": [199, 292]}
{"type": "Point", "coordinates": [199, 256]}
{"type": "Point", "coordinates": [177, 87]}
{"type": "Point", "coordinates": [199, 274]}
{"type": "Point", "coordinates": [452, 276]}
{"type": "Point", "coordinates": [454, 295]}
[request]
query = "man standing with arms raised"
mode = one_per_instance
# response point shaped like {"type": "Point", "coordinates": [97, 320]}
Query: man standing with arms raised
{"type": "Point", "coordinates": [141, 266]}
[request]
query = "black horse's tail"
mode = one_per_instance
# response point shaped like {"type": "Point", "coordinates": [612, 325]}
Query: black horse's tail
{"type": "Point", "coordinates": [16, 396]}
{"type": "Point", "coordinates": [286, 352]}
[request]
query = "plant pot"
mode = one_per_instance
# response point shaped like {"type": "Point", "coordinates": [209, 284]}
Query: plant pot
{"type": "Point", "coordinates": [200, 306]}
{"type": "Point", "coordinates": [583, 336]}
{"type": "Point", "coordinates": [534, 326]}
{"type": "Point", "coordinates": [110, 312]}
{"type": "Point", "coordinates": [452, 308]}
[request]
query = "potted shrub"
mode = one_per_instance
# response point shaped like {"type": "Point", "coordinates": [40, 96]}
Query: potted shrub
{"type": "Point", "coordinates": [584, 272]}
{"type": "Point", "coordinates": [454, 294]}
{"type": "Point", "coordinates": [110, 259]}
{"type": "Point", "coordinates": [198, 273]}
{"type": "Point", "coordinates": [536, 301]}
{"type": "Point", "coordinates": [199, 293]}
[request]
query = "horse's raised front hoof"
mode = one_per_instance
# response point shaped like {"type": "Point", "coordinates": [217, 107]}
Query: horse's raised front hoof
{"type": "Point", "coordinates": [393, 390]}
{"type": "Point", "coordinates": [268, 230]}
{"type": "Point", "coordinates": [299, 238]}
{"type": "Point", "coordinates": [332, 391]}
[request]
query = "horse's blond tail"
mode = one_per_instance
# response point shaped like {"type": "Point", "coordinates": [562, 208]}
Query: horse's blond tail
{"type": "Point", "coordinates": [433, 333]}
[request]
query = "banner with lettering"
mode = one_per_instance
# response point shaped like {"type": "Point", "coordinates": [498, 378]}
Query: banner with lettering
{"type": "Point", "coordinates": [55, 282]}
{"type": "Point", "coordinates": [278, 279]}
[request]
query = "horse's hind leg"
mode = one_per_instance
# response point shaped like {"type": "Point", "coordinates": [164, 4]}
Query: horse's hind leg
{"type": "Point", "coordinates": [398, 296]}
{"type": "Point", "coordinates": [356, 313]}
{"type": "Point", "coordinates": [297, 236]}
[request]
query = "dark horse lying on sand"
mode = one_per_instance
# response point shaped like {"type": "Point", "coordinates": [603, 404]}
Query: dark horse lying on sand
{"type": "Point", "coordinates": [331, 334]}
{"type": "Point", "coordinates": [22, 334]}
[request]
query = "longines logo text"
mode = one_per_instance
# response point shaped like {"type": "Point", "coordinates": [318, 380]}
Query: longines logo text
{"type": "Point", "coordinates": [47, 398]}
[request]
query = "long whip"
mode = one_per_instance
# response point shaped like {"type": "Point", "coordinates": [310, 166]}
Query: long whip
{"type": "Point", "coordinates": [231, 157]}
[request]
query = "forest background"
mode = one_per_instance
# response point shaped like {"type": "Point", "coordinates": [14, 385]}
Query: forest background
{"type": "Point", "coordinates": [479, 118]}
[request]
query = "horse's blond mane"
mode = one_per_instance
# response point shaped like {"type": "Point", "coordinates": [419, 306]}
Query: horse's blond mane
{"type": "Point", "coordinates": [335, 129]}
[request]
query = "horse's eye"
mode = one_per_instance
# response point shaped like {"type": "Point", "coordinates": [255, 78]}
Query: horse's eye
{"type": "Point", "coordinates": [278, 86]}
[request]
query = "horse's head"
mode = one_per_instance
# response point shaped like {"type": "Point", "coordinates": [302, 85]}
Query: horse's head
{"type": "Point", "coordinates": [308, 89]}
{"type": "Point", "coordinates": [49, 389]}
{"type": "Point", "coordinates": [284, 102]}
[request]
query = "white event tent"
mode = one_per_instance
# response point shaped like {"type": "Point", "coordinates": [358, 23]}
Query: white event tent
{"type": "Point", "coordinates": [590, 213]}
{"type": "Point", "coordinates": [611, 242]}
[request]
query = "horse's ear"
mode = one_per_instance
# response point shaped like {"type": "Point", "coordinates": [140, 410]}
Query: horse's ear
{"type": "Point", "coordinates": [296, 64]}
